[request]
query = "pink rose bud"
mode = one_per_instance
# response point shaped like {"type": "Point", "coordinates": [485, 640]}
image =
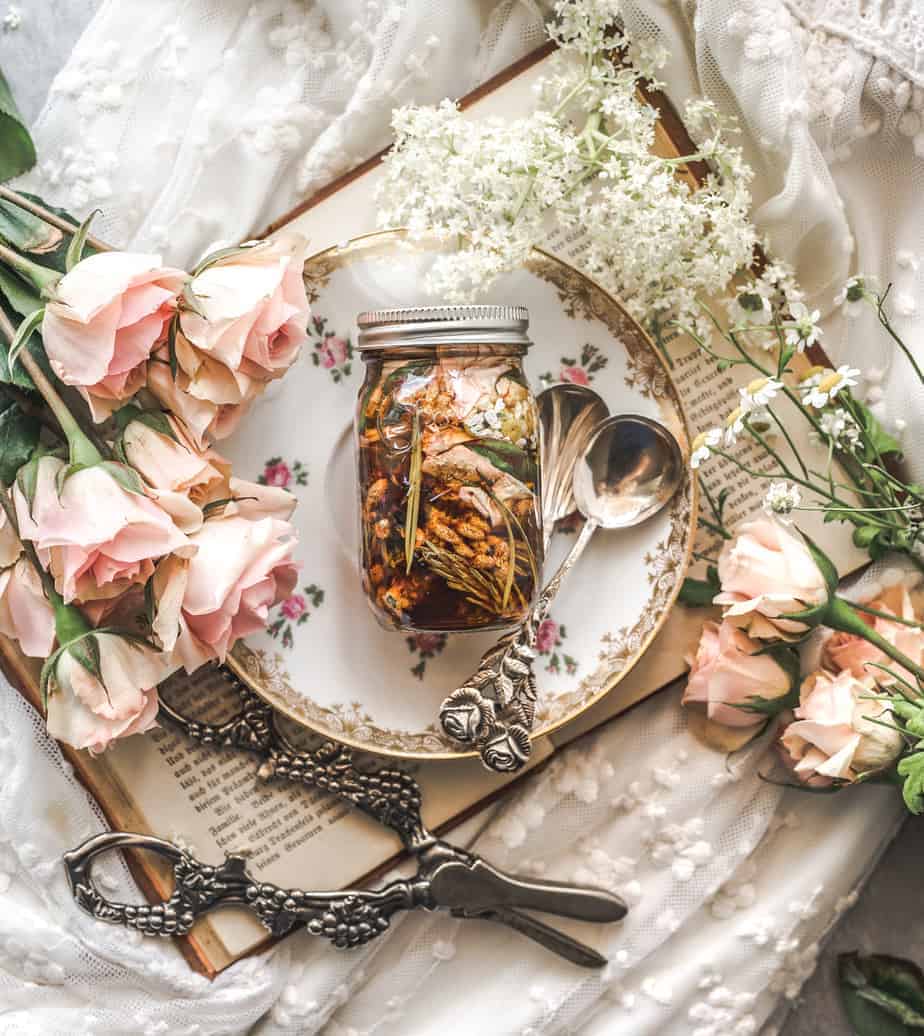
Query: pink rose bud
{"type": "Point", "coordinates": [838, 731]}
{"type": "Point", "coordinates": [96, 538]}
{"type": "Point", "coordinates": [765, 572]}
{"type": "Point", "coordinates": [89, 710]}
{"type": "Point", "coordinates": [277, 475]}
{"type": "Point", "coordinates": [106, 316]}
{"type": "Point", "coordinates": [25, 614]}
{"type": "Point", "coordinates": [727, 672]}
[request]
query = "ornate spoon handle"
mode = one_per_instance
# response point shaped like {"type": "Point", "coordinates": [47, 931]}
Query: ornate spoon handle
{"type": "Point", "coordinates": [499, 725]}
{"type": "Point", "coordinates": [347, 919]}
{"type": "Point", "coordinates": [391, 797]}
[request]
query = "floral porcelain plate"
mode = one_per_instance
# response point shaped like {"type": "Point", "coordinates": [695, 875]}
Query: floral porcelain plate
{"type": "Point", "coordinates": [324, 661]}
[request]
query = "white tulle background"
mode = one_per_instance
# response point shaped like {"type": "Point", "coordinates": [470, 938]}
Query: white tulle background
{"type": "Point", "coordinates": [189, 121]}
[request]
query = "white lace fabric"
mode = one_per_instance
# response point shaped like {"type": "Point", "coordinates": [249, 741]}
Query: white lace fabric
{"type": "Point", "coordinates": [190, 122]}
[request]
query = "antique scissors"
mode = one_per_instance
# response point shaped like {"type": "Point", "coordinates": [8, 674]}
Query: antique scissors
{"type": "Point", "coordinates": [447, 877]}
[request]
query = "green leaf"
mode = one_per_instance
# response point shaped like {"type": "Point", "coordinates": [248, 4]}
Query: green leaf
{"type": "Point", "coordinates": [23, 334]}
{"type": "Point", "coordinates": [911, 768]}
{"type": "Point", "coordinates": [19, 435]}
{"type": "Point", "coordinates": [78, 243]}
{"type": "Point", "coordinates": [17, 152]}
{"type": "Point", "coordinates": [824, 563]}
{"type": "Point", "coordinates": [894, 987]}
{"type": "Point", "coordinates": [505, 456]}
{"type": "Point", "coordinates": [226, 253]}
{"type": "Point", "coordinates": [172, 331]}
{"type": "Point", "coordinates": [126, 476]}
{"type": "Point", "coordinates": [155, 419]}
{"type": "Point", "coordinates": [27, 479]}
{"type": "Point", "coordinates": [698, 593]}
{"type": "Point", "coordinates": [22, 297]}
{"type": "Point", "coordinates": [85, 650]}
{"type": "Point", "coordinates": [877, 437]}
{"type": "Point", "coordinates": [32, 236]}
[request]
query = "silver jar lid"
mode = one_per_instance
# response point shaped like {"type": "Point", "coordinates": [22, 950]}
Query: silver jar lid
{"type": "Point", "coordinates": [443, 325]}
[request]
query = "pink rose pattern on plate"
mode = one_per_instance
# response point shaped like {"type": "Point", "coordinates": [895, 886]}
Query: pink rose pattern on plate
{"type": "Point", "coordinates": [295, 611]}
{"type": "Point", "coordinates": [331, 351]}
{"type": "Point", "coordinates": [282, 475]}
{"type": "Point", "coordinates": [579, 371]}
{"type": "Point", "coordinates": [424, 645]}
{"type": "Point", "coordinates": [549, 638]}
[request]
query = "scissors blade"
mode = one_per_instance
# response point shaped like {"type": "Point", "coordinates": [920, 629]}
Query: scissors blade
{"type": "Point", "coordinates": [474, 887]}
{"type": "Point", "coordinates": [546, 936]}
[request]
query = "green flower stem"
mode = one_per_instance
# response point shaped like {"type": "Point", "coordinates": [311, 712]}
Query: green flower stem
{"type": "Point", "coordinates": [47, 216]}
{"type": "Point", "coordinates": [842, 615]}
{"type": "Point", "coordinates": [40, 277]}
{"type": "Point", "coordinates": [886, 323]}
{"type": "Point", "coordinates": [81, 450]}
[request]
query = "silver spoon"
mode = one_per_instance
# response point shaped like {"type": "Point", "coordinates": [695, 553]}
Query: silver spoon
{"type": "Point", "coordinates": [568, 416]}
{"type": "Point", "coordinates": [629, 471]}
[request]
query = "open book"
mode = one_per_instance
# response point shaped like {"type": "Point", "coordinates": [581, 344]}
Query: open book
{"type": "Point", "coordinates": [211, 801]}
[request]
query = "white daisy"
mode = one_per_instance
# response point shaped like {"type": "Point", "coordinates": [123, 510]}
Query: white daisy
{"type": "Point", "coordinates": [702, 446]}
{"type": "Point", "coordinates": [759, 392]}
{"type": "Point", "coordinates": [734, 425]}
{"type": "Point", "coordinates": [804, 330]}
{"type": "Point", "coordinates": [839, 427]}
{"type": "Point", "coordinates": [828, 386]}
{"type": "Point", "coordinates": [782, 498]}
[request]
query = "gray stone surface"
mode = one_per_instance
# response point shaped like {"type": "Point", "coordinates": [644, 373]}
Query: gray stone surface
{"type": "Point", "coordinates": [889, 916]}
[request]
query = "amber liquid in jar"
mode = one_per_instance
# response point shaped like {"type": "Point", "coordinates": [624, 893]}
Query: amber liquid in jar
{"type": "Point", "coordinates": [449, 482]}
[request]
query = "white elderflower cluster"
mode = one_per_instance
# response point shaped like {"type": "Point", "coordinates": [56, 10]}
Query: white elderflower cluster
{"type": "Point", "coordinates": [493, 188]}
{"type": "Point", "coordinates": [782, 498]}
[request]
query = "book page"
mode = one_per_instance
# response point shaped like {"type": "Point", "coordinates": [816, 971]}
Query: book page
{"type": "Point", "coordinates": [210, 799]}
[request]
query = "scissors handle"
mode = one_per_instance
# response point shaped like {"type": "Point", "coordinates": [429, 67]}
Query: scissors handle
{"type": "Point", "coordinates": [389, 796]}
{"type": "Point", "coordinates": [347, 919]}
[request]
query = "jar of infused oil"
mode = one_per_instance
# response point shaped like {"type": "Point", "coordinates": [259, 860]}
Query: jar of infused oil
{"type": "Point", "coordinates": [447, 437]}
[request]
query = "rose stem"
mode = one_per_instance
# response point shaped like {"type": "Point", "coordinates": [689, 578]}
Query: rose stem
{"type": "Point", "coordinates": [51, 218]}
{"type": "Point", "coordinates": [82, 450]}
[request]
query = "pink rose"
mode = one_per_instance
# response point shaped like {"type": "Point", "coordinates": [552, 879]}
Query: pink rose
{"type": "Point", "coordinates": [277, 475]}
{"type": "Point", "coordinates": [242, 568]}
{"type": "Point", "coordinates": [727, 672]}
{"type": "Point", "coordinates": [546, 636]}
{"type": "Point", "coordinates": [96, 538]}
{"type": "Point", "coordinates": [766, 571]}
{"type": "Point", "coordinates": [834, 736]}
{"type": "Point", "coordinates": [852, 652]}
{"type": "Point", "coordinates": [333, 351]}
{"type": "Point", "coordinates": [87, 710]}
{"type": "Point", "coordinates": [25, 613]}
{"type": "Point", "coordinates": [255, 309]}
{"type": "Point", "coordinates": [205, 395]}
{"type": "Point", "coordinates": [294, 607]}
{"type": "Point", "coordinates": [576, 375]}
{"type": "Point", "coordinates": [105, 318]}
{"type": "Point", "coordinates": [179, 476]}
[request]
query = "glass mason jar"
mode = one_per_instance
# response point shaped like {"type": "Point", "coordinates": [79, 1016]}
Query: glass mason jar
{"type": "Point", "coordinates": [447, 434]}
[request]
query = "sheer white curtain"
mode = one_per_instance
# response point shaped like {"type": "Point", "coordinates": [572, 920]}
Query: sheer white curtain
{"type": "Point", "coordinates": [189, 121]}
